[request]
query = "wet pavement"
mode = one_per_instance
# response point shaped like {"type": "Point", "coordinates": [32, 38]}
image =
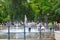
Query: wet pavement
{"type": "Point", "coordinates": [33, 35]}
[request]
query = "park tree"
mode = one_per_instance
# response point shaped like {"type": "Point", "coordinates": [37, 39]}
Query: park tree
{"type": "Point", "coordinates": [34, 9]}
{"type": "Point", "coordinates": [44, 7]}
{"type": "Point", "coordinates": [19, 9]}
{"type": "Point", "coordinates": [4, 10]}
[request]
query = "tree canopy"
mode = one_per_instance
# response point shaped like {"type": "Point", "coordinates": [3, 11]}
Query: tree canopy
{"type": "Point", "coordinates": [34, 9]}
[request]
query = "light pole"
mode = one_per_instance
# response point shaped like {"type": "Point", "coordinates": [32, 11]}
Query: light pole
{"type": "Point", "coordinates": [8, 25]}
{"type": "Point", "coordinates": [24, 33]}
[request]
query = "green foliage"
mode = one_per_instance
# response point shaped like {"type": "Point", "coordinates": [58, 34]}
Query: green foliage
{"type": "Point", "coordinates": [16, 9]}
{"type": "Point", "coordinates": [4, 5]}
{"type": "Point", "coordinates": [6, 19]}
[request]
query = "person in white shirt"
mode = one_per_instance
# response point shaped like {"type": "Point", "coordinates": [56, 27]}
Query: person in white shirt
{"type": "Point", "coordinates": [42, 27]}
{"type": "Point", "coordinates": [32, 24]}
{"type": "Point", "coordinates": [29, 26]}
{"type": "Point", "coordinates": [16, 24]}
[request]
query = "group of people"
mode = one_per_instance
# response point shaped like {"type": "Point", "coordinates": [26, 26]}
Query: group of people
{"type": "Point", "coordinates": [40, 26]}
{"type": "Point", "coordinates": [36, 25]}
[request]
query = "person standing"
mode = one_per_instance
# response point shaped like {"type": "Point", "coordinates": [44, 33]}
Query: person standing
{"type": "Point", "coordinates": [39, 27]}
{"type": "Point", "coordinates": [29, 26]}
{"type": "Point", "coordinates": [8, 25]}
{"type": "Point", "coordinates": [42, 27]}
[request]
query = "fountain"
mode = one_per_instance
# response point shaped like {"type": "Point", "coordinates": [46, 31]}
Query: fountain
{"type": "Point", "coordinates": [25, 21]}
{"type": "Point", "coordinates": [18, 31]}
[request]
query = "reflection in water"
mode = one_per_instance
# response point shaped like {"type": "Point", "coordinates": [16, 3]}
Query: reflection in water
{"type": "Point", "coordinates": [18, 33]}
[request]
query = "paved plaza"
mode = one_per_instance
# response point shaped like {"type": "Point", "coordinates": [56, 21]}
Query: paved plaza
{"type": "Point", "coordinates": [19, 34]}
